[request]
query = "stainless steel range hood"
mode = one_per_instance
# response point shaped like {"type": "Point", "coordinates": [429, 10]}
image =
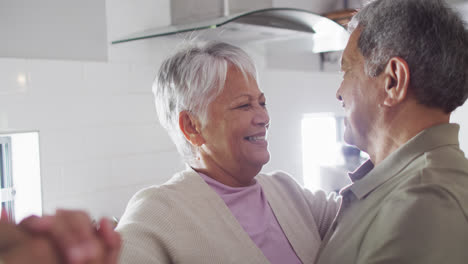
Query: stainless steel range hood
{"type": "Point", "coordinates": [269, 24]}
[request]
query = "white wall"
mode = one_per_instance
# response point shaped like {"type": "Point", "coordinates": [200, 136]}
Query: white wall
{"type": "Point", "coordinates": [99, 138]}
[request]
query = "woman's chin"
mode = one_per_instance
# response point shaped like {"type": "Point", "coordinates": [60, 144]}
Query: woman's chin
{"type": "Point", "coordinates": [260, 159]}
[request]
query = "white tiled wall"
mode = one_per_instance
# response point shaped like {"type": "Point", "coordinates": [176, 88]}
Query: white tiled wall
{"type": "Point", "coordinates": [99, 137]}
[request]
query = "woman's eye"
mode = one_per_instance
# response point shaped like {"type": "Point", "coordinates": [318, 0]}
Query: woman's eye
{"type": "Point", "coordinates": [263, 104]}
{"type": "Point", "coordinates": [244, 106]}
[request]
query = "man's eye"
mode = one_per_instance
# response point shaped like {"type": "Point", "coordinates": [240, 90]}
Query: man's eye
{"type": "Point", "coordinates": [263, 104]}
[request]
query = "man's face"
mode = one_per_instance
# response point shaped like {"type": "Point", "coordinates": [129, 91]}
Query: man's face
{"type": "Point", "coordinates": [359, 95]}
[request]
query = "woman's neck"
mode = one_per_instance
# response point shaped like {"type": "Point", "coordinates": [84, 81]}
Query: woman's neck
{"type": "Point", "coordinates": [233, 177]}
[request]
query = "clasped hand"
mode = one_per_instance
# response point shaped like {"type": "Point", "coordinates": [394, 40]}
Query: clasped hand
{"type": "Point", "coordinates": [67, 237]}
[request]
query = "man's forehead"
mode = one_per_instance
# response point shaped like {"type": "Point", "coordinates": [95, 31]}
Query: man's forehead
{"type": "Point", "coordinates": [351, 52]}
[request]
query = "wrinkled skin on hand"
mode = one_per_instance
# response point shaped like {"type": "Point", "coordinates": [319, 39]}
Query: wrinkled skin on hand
{"type": "Point", "coordinates": [66, 237]}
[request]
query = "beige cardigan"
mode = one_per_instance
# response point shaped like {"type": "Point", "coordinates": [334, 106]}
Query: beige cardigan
{"type": "Point", "coordinates": [185, 221]}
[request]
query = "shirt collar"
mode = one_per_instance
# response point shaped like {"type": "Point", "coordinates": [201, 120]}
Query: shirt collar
{"type": "Point", "coordinates": [367, 178]}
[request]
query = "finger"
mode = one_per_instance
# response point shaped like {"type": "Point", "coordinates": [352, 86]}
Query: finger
{"type": "Point", "coordinates": [37, 225]}
{"type": "Point", "coordinates": [113, 257]}
{"type": "Point", "coordinates": [78, 223]}
{"type": "Point", "coordinates": [105, 232]}
{"type": "Point", "coordinates": [111, 239]}
{"type": "Point", "coordinates": [4, 215]}
{"type": "Point", "coordinates": [76, 234]}
{"type": "Point", "coordinates": [91, 252]}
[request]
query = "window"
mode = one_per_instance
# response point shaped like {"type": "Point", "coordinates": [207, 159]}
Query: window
{"type": "Point", "coordinates": [20, 174]}
{"type": "Point", "coordinates": [6, 181]}
{"type": "Point", "coordinates": [320, 146]}
{"type": "Point", "coordinates": [326, 158]}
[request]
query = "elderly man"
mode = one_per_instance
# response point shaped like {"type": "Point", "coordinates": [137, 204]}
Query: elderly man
{"type": "Point", "coordinates": [405, 70]}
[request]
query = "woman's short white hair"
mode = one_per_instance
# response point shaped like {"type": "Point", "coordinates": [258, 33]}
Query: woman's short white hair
{"type": "Point", "coordinates": [190, 80]}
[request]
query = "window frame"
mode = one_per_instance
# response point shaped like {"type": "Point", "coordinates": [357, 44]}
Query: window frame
{"type": "Point", "coordinates": [7, 188]}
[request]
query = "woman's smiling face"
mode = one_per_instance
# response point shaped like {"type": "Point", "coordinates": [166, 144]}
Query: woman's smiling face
{"type": "Point", "coordinates": [235, 133]}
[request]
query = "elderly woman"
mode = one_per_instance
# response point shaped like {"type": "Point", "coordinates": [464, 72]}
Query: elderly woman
{"type": "Point", "coordinates": [220, 209]}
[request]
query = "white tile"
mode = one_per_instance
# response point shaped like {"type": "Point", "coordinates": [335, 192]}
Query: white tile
{"type": "Point", "coordinates": [58, 146]}
{"type": "Point", "coordinates": [47, 111]}
{"type": "Point", "coordinates": [136, 169]}
{"type": "Point", "coordinates": [141, 78]}
{"type": "Point", "coordinates": [61, 112]}
{"type": "Point", "coordinates": [14, 76]}
{"type": "Point", "coordinates": [124, 140]}
{"type": "Point", "coordinates": [51, 181]}
{"type": "Point", "coordinates": [108, 203]}
{"type": "Point", "coordinates": [106, 78]}
{"type": "Point", "coordinates": [13, 116]}
{"type": "Point", "coordinates": [130, 109]}
{"type": "Point", "coordinates": [52, 77]}
{"type": "Point", "coordinates": [86, 176]}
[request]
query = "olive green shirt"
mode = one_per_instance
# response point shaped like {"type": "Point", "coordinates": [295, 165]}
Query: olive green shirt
{"type": "Point", "coordinates": [411, 208]}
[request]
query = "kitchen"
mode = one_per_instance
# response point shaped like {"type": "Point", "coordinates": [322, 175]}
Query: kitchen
{"type": "Point", "coordinates": [91, 102]}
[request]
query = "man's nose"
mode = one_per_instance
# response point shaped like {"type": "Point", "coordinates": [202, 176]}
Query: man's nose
{"type": "Point", "coordinates": [338, 94]}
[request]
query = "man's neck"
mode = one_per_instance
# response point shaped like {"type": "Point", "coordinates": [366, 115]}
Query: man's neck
{"type": "Point", "coordinates": [402, 126]}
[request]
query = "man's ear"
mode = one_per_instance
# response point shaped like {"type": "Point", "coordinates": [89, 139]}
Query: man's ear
{"type": "Point", "coordinates": [397, 81]}
{"type": "Point", "coordinates": [191, 128]}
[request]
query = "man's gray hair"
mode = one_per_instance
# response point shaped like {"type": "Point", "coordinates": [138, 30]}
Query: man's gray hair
{"type": "Point", "coordinates": [430, 36]}
{"type": "Point", "coordinates": [190, 80]}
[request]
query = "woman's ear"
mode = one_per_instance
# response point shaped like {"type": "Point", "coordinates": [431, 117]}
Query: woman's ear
{"type": "Point", "coordinates": [397, 80]}
{"type": "Point", "coordinates": [191, 128]}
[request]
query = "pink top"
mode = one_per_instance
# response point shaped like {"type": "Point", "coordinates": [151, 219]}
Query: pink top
{"type": "Point", "coordinates": [251, 209]}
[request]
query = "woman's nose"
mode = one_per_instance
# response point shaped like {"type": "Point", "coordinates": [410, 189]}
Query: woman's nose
{"type": "Point", "coordinates": [261, 117]}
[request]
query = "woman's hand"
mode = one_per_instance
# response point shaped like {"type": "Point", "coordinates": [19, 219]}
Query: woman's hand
{"type": "Point", "coordinates": [76, 238]}
{"type": "Point", "coordinates": [19, 247]}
